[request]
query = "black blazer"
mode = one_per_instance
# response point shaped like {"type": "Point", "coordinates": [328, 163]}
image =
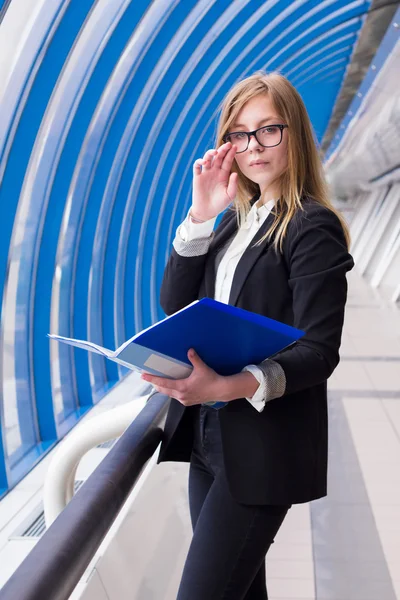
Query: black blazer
{"type": "Point", "coordinates": [278, 456]}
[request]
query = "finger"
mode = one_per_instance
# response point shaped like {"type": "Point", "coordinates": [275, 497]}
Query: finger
{"type": "Point", "coordinates": [222, 151]}
{"type": "Point", "coordinates": [195, 358]}
{"type": "Point", "coordinates": [167, 391]}
{"type": "Point", "coordinates": [185, 402]}
{"type": "Point", "coordinates": [197, 166]}
{"type": "Point", "coordinates": [210, 153]}
{"type": "Point", "coordinates": [201, 164]}
{"type": "Point", "coordinates": [225, 151]}
{"type": "Point", "coordinates": [208, 159]}
{"type": "Point", "coordinates": [161, 381]}
{"type": "Point", "coordinates": [228, 159]}
{"type": "Point", "coordinates": [232, 185]}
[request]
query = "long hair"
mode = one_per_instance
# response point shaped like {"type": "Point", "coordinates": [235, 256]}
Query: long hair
{"type": "Point", "coordinates": [303, 177]}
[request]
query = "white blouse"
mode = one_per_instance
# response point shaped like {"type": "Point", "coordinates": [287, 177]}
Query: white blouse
{"type": "Point", "coordinates": [189, 231]}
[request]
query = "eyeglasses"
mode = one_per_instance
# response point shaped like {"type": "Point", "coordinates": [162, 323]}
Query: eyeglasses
{"type": "Point", "coordinates": [267, 136]}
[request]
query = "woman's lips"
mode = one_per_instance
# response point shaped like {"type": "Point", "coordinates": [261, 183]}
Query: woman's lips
{"type": "Point", "coordinates": [262, 164]}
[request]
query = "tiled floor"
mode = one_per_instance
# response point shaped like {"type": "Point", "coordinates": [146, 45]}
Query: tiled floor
{"type": "Point", "coordinates": [343, 547]}
{"type": "Point", "coordinates": [356, 531]}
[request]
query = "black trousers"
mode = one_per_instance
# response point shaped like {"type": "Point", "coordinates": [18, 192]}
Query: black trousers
{"type": "Point", "coordinates": [226, 558]}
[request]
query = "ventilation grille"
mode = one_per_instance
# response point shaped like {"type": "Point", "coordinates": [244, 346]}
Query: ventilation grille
{"type": "Point", "coordinates": [36, 529]}
{"type": "Point", "coordinates": [34, 526]}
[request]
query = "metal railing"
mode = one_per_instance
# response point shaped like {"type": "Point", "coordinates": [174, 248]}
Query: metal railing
{"type": "Point", "coordinates": [55, 565]}
{"type": "Point", "coordinates": [59, 483]}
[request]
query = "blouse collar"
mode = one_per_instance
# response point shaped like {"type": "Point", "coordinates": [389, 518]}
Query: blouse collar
{"type": "Point", "coordinates": [257, 213]}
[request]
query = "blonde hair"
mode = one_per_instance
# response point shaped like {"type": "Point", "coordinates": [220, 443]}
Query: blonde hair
{"type": "Point", "coordinates": [303, 176]}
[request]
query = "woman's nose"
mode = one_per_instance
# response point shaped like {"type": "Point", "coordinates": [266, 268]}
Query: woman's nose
{"type": "Point", "coordinates": [253, 142]}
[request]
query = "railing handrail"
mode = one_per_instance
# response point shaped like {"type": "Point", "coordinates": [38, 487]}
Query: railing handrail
{"type": "Point", "coordinates": [55, 565]}
{"type": "Point", "coordinates": [58, 487]}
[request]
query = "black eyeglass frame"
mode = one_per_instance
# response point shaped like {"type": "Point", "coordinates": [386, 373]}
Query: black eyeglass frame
{"type": "Point", "coordinates": [250, 133]}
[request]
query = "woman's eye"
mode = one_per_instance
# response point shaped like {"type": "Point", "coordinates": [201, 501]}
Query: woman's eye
{"type": "Point", "coordinates": [270, 130]}
{"type": "Point", "coordinates": [238, 136]}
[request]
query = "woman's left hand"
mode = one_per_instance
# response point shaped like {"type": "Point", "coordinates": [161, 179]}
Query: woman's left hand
{"type": "Point", "coordinates": [202, 385]}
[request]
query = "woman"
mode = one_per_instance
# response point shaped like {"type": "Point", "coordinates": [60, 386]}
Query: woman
{"type": "Point", "coordinates": [281, 250]}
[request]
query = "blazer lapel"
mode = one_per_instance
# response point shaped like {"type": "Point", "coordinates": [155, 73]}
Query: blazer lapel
{"type": "Point", "coordinates": [229, 228]}
{"type": "Point", "coordinates": [248, 259]}
{"type": "Point", "coordinates": [221, 236]}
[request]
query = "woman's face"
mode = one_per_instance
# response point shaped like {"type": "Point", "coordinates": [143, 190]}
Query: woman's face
{"type": "Point", "coordinates": [258, 112]}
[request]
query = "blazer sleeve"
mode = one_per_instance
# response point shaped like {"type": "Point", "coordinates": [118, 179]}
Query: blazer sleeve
{"type": "Point", "coordinates": [318, 260]}
{"type": "Point", "coordinates": [181, 281]}
{"type": "Point", "coordinates": [184, 272]}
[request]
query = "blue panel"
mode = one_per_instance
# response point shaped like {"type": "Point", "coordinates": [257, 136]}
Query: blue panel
{"type": "Point", "coordinates": [11, 186]}
{"type": "Point", "coordinates": [81, 223]}
{"type": "Point", "coordinates": [312, 71]}
{"type": "Point", "coordinates": [45, 80]}
{"type": "Point", "coordinates": [101, 74]}
{"type": "Point", "coordinates": [9, 195]}
{"type": "Point", "coordinates": [328, 21]}
{"type": "Point", "coordinates": [319, 44]}
{"type": "Point", "coordinates": [115, 129]}
{"type": "Point", "coordinates": [322, 112]}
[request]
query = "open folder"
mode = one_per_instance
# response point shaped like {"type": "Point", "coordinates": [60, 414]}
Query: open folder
{"type": "Point", "coordinates": [226, 338]}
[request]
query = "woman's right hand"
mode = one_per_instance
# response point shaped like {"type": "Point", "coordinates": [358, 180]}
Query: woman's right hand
{"type": "Point", "coordinates": [214, 186]}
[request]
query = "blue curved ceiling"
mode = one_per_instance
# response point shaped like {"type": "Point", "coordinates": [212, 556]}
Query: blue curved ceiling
{"type": "Point", "coordinates": [105, 109]}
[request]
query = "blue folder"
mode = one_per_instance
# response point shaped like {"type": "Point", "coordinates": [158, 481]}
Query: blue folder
{"type": "Point", "coordinates": [226, 338]}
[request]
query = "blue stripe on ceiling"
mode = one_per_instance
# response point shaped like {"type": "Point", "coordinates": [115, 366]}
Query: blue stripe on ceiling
{"type": "Point", "coordinates": [88, 189]}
